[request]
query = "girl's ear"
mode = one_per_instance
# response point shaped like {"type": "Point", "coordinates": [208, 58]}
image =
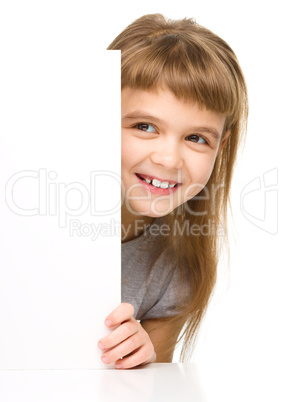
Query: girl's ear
{"type": "Point", "coordinates": [223, 141]}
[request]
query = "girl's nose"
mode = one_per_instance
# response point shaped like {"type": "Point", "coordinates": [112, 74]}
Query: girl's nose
{"type": "Point", "coordinates": [168, 154]}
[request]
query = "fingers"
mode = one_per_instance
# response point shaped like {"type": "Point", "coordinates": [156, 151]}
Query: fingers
{"type": "Point", "coordinates": [140, 350]}
{"type": "Point", "coordinates": [123, 332]}
{"type": "Point", "coordinates": [128, 345]}
{"type": "Point", "coordinates": [122, 313]}
{"type": "Point", "coordinates": [142, 356]}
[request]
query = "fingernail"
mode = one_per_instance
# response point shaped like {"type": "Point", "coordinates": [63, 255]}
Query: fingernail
{"type": "Point", "coordinates": [108, 323]}
{"type": "Point", "coordinates": [101, 346]}
{"type": "Point", "coordinates": [105, 360]}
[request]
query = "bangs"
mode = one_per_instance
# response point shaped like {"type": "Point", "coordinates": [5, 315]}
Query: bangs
{"type": "Point", "coordinates": [190, 70]}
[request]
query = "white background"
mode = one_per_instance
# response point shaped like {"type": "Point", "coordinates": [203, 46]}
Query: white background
{"type": "Point", "coordinates": [243, 321]}
{"type": "Point", "coordinates": [58, 281]}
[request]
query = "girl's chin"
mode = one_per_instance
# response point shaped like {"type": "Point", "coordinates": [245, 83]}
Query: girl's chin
{"type": "Point", "coordinates": [141, 208]}
{"type": "Point", "coordinates": [151, 214]}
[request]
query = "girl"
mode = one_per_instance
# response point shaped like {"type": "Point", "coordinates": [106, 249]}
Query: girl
{"type": "Point", "coordinates": [184, 113]}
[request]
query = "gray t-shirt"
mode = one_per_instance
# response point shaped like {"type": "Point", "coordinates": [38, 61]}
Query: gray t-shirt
{"type": "Point", "coordinates": [160, 296]}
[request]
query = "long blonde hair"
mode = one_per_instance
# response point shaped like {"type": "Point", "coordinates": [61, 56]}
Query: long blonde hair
{"type": "Point", "coordinates": [195, 65]}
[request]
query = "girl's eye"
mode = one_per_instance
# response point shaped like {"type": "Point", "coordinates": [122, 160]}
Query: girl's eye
{"type": "Point", "coordinates": [146, 127]}
{"type": "Point", "coordinates": [197, 138]}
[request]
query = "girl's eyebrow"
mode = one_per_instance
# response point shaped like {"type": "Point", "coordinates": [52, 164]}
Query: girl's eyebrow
{"type": "Point", "coordinates": [154, 119]}
{"type": "Point", "coordinates": [142, 116]}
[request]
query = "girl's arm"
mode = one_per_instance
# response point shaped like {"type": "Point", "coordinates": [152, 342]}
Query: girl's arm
{"type": "Point", "coordinates": [163, 334]}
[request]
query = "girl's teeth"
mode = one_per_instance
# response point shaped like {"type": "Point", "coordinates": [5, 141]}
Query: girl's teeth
{"type": "Point", "coordinates": [159, 184]}
{"type": "Point", "coordinates": [156, 183]}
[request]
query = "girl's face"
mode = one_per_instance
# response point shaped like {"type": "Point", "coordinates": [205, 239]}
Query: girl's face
{"type": "Point", "coordinates": [165, 141]}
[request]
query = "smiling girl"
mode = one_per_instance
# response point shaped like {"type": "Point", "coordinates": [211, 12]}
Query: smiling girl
{"type": "Point", "coordinates": [184, 111]}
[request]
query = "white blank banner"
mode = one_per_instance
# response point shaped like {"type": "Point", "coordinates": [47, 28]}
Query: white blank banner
{"type": "Point", "coordinates": [59, 192]}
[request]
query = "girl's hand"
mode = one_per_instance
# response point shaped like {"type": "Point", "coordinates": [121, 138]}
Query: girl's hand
{"type": "Point", "coordinates": [128, 341]}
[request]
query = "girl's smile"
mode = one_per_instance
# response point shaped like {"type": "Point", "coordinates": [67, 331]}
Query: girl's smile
{"type": "Point", "coordinates": [168, 151]}
{"type": "Point", "coordinates": [158, 186]}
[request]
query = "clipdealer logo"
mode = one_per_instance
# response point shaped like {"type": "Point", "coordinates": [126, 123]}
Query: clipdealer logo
{"type": "Point", "coordinates": [258, 200]}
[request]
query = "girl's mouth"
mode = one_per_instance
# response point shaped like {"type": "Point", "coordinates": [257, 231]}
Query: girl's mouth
{"type": "Point", "coordinates": [156, 186]}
